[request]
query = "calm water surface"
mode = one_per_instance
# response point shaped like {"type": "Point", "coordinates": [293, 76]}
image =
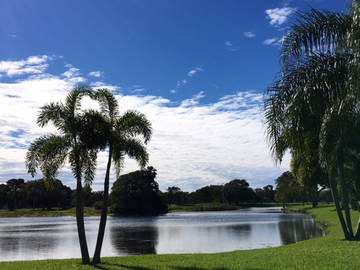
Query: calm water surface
{"type": "Point", "coordinates": [193, 232]}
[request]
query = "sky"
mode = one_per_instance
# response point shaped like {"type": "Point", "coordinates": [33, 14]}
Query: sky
{"type": "Point", "coordinates": [198, 69]}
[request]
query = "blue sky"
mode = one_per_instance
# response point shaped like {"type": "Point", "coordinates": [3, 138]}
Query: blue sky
{"type": "Point", "coordinates": [197, 68]}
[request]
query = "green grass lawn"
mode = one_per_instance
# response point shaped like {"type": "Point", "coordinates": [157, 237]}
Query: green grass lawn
{"type": "Point", "coordinates": [202, 207]}
{"type": "Point", "coordinates": [327, 253]}
{"type": "Point", "coordinates": [88, 211]}
{"type": "Point", "coordinates": [216, 206]}
{"type": "Point", "coordinates": [91, 211]}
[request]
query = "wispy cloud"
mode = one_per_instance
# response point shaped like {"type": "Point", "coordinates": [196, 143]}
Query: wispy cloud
{"type": "Point", "coordinates": [194, 71]}
{"type": "Point", "coordinates": [32, 65]}
{"type": "Point", "coordinates": [194, 143]}
{"type": "Point", "coordinates": [137, 90]}
{"type": "Point", "coordinates": [111, 87]}
{"type": "Point", "coordinates": [73, 74]}
{"type": "Point", "coordinates": [279, 16]}
{"type": "Point", "coordinates": [192, 101]}
{"type": "Point", "coordinates": [96, 74]}
{"type": "Point", "coordinates": [230, 46]}
{"type": "Point", "coordinates": [270, 41]}
{"type": "Point", "coordinates": [273, 41]}
{"type": "Point", "coordinates": [249, 35]}
{"type": "Point", "coordinates": [191, 73]}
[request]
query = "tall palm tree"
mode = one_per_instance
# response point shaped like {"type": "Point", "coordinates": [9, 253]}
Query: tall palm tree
{"type": "Point", "coordinates": [317, 98]}
{"type": "Point", "coordinates": [50, 152]}
{"type": "Point", "coordinates": [122, 140]}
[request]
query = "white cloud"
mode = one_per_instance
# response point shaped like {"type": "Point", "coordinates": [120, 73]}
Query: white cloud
{"type": "Point", "coordinates": [190, 74]}
{"type": "Point", "coordinates": [279, 16]}
{"type": "Point", "coordinates": [31, 65]}
{"type": "Point", "coordinates": [73, 74]}
{"type": "Point", "coordinates": [194, 71]}
{"type": "Point", "coordinates": [193, 144]}
{"type": "Point", "coordinates": [137, 90]}
{"type": "Point", "coordinates": [249, 34]}
{"type": "Point", "coordinates": [273, 41]}
{"type": "Point", "coordinates": [172, 91]}
{"type": "Point", "coordinates": [230, 46]}
{"type": "Point", "coordinates": [192, 101]}
{"type": "Point", "coordinates": [96, 74]}
{"type": "Point", "coordinates": [270, 41]}
{"type": "Point", "coordinates": [111, 87]}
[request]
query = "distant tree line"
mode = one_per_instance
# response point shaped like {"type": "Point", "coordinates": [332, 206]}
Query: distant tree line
{"type": "Point", "coordinates": [137, 193]}
{"type": "Point", "coordinates": [43, 194]}
{"type": "Point", "coordinates": [236, 191]}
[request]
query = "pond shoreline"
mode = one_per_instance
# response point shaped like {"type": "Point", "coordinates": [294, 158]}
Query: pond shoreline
{"type": "Point", "coordinates": [91, 211]}
{"type": "Point", "coordinates": [331, 249]}
{"type": "Point", "coordinates": [236, 228]}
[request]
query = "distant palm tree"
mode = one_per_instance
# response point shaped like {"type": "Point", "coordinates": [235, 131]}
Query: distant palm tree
{"type": "Point", "coordinates": [122, 140]}
{"type": "Point", "coordinates": [50, 152]}
{"type": "Point", "coordinates": [316, 100]}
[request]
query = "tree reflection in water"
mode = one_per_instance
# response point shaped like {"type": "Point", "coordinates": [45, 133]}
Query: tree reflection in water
{"type": "Point", "coordinates": [296, 229]}
{"type": "Point", "coordinates": [134, 240]}
{"type": "Point", "coordinates": [42, 240]}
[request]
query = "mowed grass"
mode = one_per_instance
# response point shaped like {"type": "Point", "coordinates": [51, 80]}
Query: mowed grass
{"type": "Point", "coordinates": [327, 253]}
{"type": "Point", "coordinates": [88, 211]}
{"type": "Point", "coordinates": [91, 211]}
{"type": "Point", "coordinates": [202, 207]}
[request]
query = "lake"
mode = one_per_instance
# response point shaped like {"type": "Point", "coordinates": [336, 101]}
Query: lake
{"type": "Point", "coordinates": [192, 232]}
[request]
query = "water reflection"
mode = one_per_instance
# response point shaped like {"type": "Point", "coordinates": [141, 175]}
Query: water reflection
{"type": "Point", "coordinates": [134, 240]}
{"type": "Point", "coordinates": [296, 230]}
{"type": "Point", "coordinates": [42, 238]}
{"type": "Point", "coordinates": [26, 240]}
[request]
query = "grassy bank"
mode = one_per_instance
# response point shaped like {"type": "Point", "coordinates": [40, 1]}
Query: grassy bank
{"type": "Point", "coordinates": [327, 253]}
{"type": "Point", "coordinates": [91, 211]}
{"type": "Point", "coordinates": [88, 211]}
{"type": "Point", "coordinates": [202, 207]}
{"type": "Point", "coordinates": [218, 206]}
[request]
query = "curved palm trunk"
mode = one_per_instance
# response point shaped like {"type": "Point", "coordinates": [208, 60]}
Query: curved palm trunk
{"type": "Point", "coordinates": [345, 197]}
{"type": "Point", "coordinates": [80, 223]}
{"type": "Point", "coordinates": [338, 208]}
{"type": "Point", "coordinates": [104, 211]}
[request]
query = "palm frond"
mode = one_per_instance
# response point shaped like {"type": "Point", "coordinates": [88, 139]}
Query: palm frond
{"type": "Point", "coordinates": [89, 163]}
{"type": "Point", "coordinates": [133, 123]}
{"type": "Point", "coordinates": [95, 129]}
{"type": "Point", "coordinates": [118, 161]}
{"type": "Point", "coordinates": [132, 147]}
{"type": "Point", "coordinates": [73, 100]}
{"type": "Point", "coordinates": [75, 161]}
{"type": "Point", "coordinates": [52, 112]}
{"type": "Point", "coordinates": [49, 153]}
{"type": "Point", "coordinates": [108, 103]}
{"type": "Point", "coordinates": [314, 32]}
{"type": "Point", "coordinates": [295, 104]}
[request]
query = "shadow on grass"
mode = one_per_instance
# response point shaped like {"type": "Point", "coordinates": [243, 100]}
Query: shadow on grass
{"type": "Point", "coordinates": [122, 266]}
{"type": "Point", "coordinates": [198, 268]}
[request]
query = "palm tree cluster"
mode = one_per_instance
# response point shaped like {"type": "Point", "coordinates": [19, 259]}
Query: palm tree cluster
{"type": "Point", "coordinates": [81, 135]}
{"type": "Point", "coordinates": [312, 109]}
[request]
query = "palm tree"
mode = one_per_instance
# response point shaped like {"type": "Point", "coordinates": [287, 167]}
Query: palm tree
{"type": "Point", "coordinates": [122, 139]}
{"type": "Point", "coordinates": [317, 99]}
{"type": "Point", "coordinates": [50, 152]}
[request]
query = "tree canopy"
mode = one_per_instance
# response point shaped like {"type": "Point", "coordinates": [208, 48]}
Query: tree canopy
{"type": "Point", "coordinates": [137, 193]}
